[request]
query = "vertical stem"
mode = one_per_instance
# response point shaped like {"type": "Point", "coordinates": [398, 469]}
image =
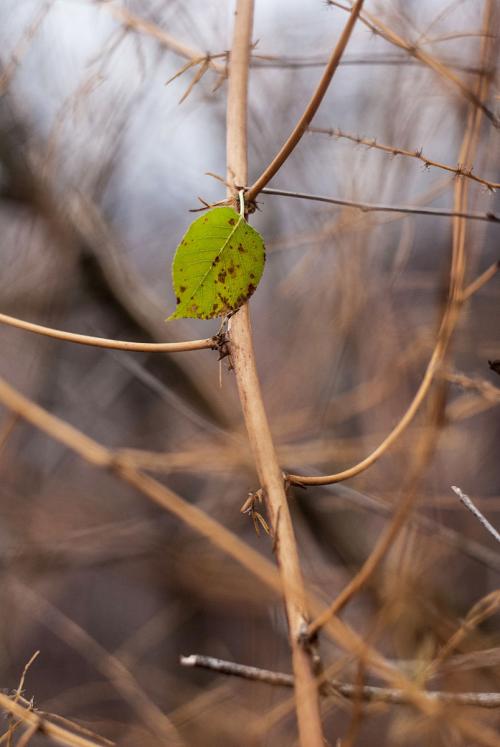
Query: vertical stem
{"type": "Point", "coordinates": [261, 442]}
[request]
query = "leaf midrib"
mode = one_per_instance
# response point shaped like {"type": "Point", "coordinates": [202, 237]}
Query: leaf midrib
{"type": "Point", "coordinates": [212, 267]}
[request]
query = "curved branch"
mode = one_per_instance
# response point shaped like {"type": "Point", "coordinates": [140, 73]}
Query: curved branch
{"type": "Point", "coordinates": [393, 435]}
{"type": "Point", "coordinates": [101, 342]}
{"type": "Point", "coordinates": [311, 109]}
{"type": "Point", "coordinates": [456, 298]}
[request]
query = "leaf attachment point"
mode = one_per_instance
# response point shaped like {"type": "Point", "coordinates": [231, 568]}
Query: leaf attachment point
{"type": "Point", "coordinates": [217, 266]}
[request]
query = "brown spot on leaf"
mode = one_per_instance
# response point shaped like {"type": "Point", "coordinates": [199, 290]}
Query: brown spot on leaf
{"type": "Point", "coordinates": [224, 301]}
{"type": "Point", "coordinates": [231, 221]}
{"type": "Point", "coordinates": [241, 248]}
{"type": "Point", "coordinates": [222, 276]}
{"type": "Point", "coordinates": [177, 299]}
{"type": "Point", "coordinates": [252, 275]}
{"type": "Point", "coordinates": [251, 289]}
{"type": "Point", "coordinates": [217, 260]}
{"type": "Point", "coordinates": [182, 288]}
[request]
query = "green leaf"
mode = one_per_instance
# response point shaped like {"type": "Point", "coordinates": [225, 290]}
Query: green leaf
{"type": "Point", "coordinates": [217, 266]}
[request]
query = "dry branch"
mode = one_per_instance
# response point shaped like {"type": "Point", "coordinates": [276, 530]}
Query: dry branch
{"type": "Point", "coordinates": [58, 734]}
{"type": "Point", "coordinates": [101, 342]}
{"type": "Point", "coordinates": [476, 512]}
{"type": "Point", "coordinates": [310, 110]}
{"type": "Point", "coordinates": [397, 151]}
{"type": "Point", "coordinates": [112, 668]}
{"type": "Point", "coordinates": [370, 207]}
{"type": "Point", "coordinates": [140, 25]}
{"type": "Point", "coordinates": [367, 693]}
{"type": "Point", "coordinates": [243, 359]}
{"type": "Point", "coordinates": [377, 27]}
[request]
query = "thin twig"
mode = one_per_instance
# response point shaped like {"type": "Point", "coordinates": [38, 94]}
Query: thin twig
{"type": "Point", "coordinates": [279, 679]}
{"type": "Point", "coordinates": [59, 734]}
{"type": "Point", "coordinates": [456, 540]}
{"type": "Point", "coordinates": [19, 691]}
{"type": "Point", "coordinates": [380, 29]}
{"type": "Point", "coordinates": [483, 388]}
{"type": "Point", "coordinates": [23, 46]}
{"type": "Point", "coordinates": [481, 611]}
{"type": "Point", "coordinates": [72, 725]}
{"type": "Point", "coordinates": [477, 513]}
{"type": "Point", "coordinates": [333, 687]}
{"type": "Point", "coordinates": [480, 281]}
{"type": "Point", "coordinates": [101, 342]}
{"type": "Point", "coordinates": [396, 151]}
{"type": "Point", "coordinates": [140, 25]}
{"type": "Point", "coordinates": [370, 207]}
{"type": "Point", "coordinates": [114, 670]}
{"type": "Point", "coordinates": [28, 734]}
{"type": "Point", "coordinates": [372, 562]}
{"type": "Point", "coordinates": [282, 61]}
{"type": "Point", "coordinates": [311, 109]}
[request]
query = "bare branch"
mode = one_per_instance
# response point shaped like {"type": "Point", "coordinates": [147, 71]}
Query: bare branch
{"type": "Point", "coordinates": [259, 433]}
{"type": "Point", "coordinates": [396, 151]}
{"type": "Point", "coordinates": [112, 668]}
{"type": "Point", "coordinates": [480, 281]}
{"type": "Point", "coordinates": [368, 207]}
{"type": "Point", "coordinates": [142, 26]}
{"type": "Point", "coordinates": [311, 109]}
{"type": "Point", "coordinates": [59, 734]}
{"type": "Point", "coordinates": [477, 513]}
{"type": "Point", "coordinates": [101, 342]}
{"type": "Point", "coordinates": [484, 608]}
{"type": "Point", "coordinates": [238, 670]}
{"type": "Point", "coordinates": [380, 29]}
{"type": "Point", "coordinates": [367, 693]}
{"type": "Point", "coordinates": [283, 61]}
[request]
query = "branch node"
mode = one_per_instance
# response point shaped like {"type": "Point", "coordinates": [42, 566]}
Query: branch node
{"type": "Point", "coordinates": [248, 508]}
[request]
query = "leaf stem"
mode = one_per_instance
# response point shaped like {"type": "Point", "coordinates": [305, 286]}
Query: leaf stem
{"type": "Point", "coordinates": [241, 195]}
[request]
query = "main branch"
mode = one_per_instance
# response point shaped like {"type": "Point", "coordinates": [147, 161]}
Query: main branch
{"type": "Point", "coordinates": [270, 474]}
